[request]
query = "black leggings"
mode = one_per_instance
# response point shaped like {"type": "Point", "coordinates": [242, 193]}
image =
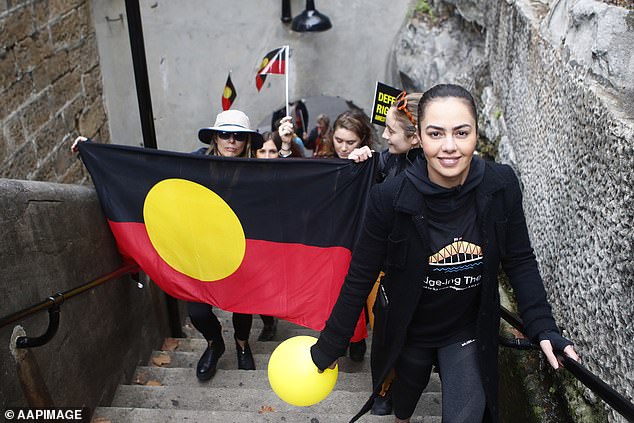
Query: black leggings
{"type": "Point", "coordinates": [203, 318]}
{"type": "Point", "coordinates": [463, 398]}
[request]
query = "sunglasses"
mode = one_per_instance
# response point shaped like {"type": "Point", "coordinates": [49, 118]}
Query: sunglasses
{"type": "Point", "coordinates": [401, 105]}
{"type": "Point", "coordinates": [238, 136]}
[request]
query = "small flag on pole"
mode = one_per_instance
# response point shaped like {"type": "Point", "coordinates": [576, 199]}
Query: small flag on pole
{"type": "Point", "coordinates": [274, 62]}
{"type": "Point", "coordinates": [229, 94]}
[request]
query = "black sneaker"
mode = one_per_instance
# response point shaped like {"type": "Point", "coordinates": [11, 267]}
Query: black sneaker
{"type": "Point", "coordinates": [268, 332]}
{"type": "Point", "coordinates": [357, 350]}
{"type": "Point", "coordinates": [382, 406]}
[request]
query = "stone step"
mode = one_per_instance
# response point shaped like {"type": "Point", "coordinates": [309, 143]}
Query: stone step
{"type": "Point", "coordinates": [249, 400]}
{"type": "Point", "coordinates": [198, 345]}
{"type": "Point", "coordinates": [147, 415]}
{"type": "Point", "coordinates": [229, 360]}
{"type": "Point", "coordinates": [167, 390]}
{"type": "Point", "coordinates": [225, 320]}
{"type": "Point", "coordinates": [257, 379]}
{"type": "Point", "coordinates": [284, 331]}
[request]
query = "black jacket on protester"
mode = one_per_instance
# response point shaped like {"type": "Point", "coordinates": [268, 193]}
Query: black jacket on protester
{"type": "Point", "coordinates": [395, 237]}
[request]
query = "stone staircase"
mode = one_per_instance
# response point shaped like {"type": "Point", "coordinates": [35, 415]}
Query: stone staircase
{"type": "Point", "coordinates": [166, 390]}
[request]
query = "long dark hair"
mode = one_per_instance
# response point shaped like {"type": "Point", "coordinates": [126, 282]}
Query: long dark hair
{"type": "Point", "coordinates": [353, 120]}
{"type": "Point", "coordinates": [444, 91]}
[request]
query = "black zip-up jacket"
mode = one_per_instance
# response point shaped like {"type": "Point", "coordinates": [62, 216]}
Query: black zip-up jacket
{"type": "Point", "coordinates": [395, 236]}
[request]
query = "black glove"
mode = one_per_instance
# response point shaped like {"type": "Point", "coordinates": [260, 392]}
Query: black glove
{"type": "Point", "coordinates": [321, 360]}
{"type": "Point", "coordinates": [556, 340]}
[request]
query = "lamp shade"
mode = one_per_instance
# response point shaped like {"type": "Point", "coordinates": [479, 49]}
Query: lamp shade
{"type": "Point", "coordinates": [310, 20]}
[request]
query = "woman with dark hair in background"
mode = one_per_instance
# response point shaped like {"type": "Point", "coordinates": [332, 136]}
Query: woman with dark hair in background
{"type": "Point", "coordinates": [351, 130]}
{"type": "Point", "coordinates": [319, 135]}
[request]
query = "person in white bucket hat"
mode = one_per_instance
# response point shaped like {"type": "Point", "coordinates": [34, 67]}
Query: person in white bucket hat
{"type": "Point", "coordinates": [231, 136]}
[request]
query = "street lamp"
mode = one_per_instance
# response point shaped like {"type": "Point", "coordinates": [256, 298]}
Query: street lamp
{"type": "Point", "coordinates": [286, 11]}
{"type": "Point", "coordinates": [310, 20]}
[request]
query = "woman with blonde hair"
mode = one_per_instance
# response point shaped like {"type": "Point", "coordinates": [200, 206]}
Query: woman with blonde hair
{"type": "Point", "coordinates": [230, 136]}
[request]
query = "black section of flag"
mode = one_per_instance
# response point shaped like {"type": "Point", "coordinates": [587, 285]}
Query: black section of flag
{"type": "Point", "coordinates": [311, 202]}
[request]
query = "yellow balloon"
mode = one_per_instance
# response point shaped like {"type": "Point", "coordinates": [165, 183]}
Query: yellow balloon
{"type": "Point", "coordinates": [293, 375]}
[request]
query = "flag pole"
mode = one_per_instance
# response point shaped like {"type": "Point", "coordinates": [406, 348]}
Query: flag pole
{"type": "Point", "coordinates": [287, 63]}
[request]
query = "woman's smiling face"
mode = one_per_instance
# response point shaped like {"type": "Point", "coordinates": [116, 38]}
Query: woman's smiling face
{"type": "Point", "coordinates": [448, 136]}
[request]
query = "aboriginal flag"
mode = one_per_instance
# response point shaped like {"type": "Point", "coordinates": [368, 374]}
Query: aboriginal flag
{"type": "Point", "coordinates": [229, 94]}
{"type": "Point", "coordinates": [253, 236]}
{"type": "Point", "coordinates": [273, 62]}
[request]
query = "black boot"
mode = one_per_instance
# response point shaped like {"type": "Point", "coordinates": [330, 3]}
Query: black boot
{"type": "Point", "coordinates": [268, 332]}
{"type": "Point", "coordinates": [207, 364]}
{"type": "Point", "coordinates": [245, 358]}
{"type": "Point", "coordinates": [357, 350]}
{"type": "Point", "coordinates": [382, 406]}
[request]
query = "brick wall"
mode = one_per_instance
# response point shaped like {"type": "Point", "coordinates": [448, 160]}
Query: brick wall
{"type": "Point", "coordinates": [50, 88]}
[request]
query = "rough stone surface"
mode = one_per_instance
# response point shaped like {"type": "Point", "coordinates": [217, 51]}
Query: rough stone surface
{"type": "Point", "coordinates": [54, 238]}
{"type": "Point", "coordinates": [597, 37]}
{"type": "Point", "coordinates": [48, 68]}
{"type": "Point", "coordinates": [574, 150]}
{"type": "Point", "coordinates": [427, 52]}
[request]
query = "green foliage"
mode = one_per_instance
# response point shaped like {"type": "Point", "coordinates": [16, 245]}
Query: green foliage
{"type": "Point", "coordinates": [422, 6]}
{"type": "Point", "coordinates": [424, 10]}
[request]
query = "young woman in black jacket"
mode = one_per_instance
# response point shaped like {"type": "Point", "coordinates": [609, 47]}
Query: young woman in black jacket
{"type": "Point", "coordinates": [441, 228]}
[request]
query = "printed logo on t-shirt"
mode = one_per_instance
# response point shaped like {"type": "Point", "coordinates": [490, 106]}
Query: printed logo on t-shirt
{"type": "Point", "coordinates": [456, 266]}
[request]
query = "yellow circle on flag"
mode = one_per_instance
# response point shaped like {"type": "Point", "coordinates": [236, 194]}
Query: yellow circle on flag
{"type": "Point", "coordinates": [193, 229]}
{"type": "Point", "coordinates": [227, 92]}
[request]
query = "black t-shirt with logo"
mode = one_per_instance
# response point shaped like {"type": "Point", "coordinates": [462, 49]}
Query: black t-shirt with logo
{"type": "Point", "coordinates": [448, 306]}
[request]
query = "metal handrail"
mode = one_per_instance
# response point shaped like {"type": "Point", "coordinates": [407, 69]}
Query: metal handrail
{"type": "Point", "coordinates": [614, 399]}
{"type": "Point", "coordinates": [53, 303]}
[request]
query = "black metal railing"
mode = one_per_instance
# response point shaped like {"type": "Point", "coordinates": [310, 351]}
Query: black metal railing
{"type": "Point", "coordinates": [53, 303]}
{"type": "Point", "coordinates": [614, 399]}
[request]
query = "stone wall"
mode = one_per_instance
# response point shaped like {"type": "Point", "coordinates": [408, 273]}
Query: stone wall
{"type": "Point", "coordinates": [50, 88]}
{"type": "Point", "coordinates": [557, 100]}
{"type": "Point", "coordinates": [54, 238]}
{"type": "Point", "coordinates": [573, 146]}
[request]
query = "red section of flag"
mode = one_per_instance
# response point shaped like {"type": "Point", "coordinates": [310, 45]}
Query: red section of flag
{"type": "Point", "coordinates": [274, 62]}
{"type": "Point", "coordinates": [274, 279]}
{"type": "Point", "coordinates": [229, 94]}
